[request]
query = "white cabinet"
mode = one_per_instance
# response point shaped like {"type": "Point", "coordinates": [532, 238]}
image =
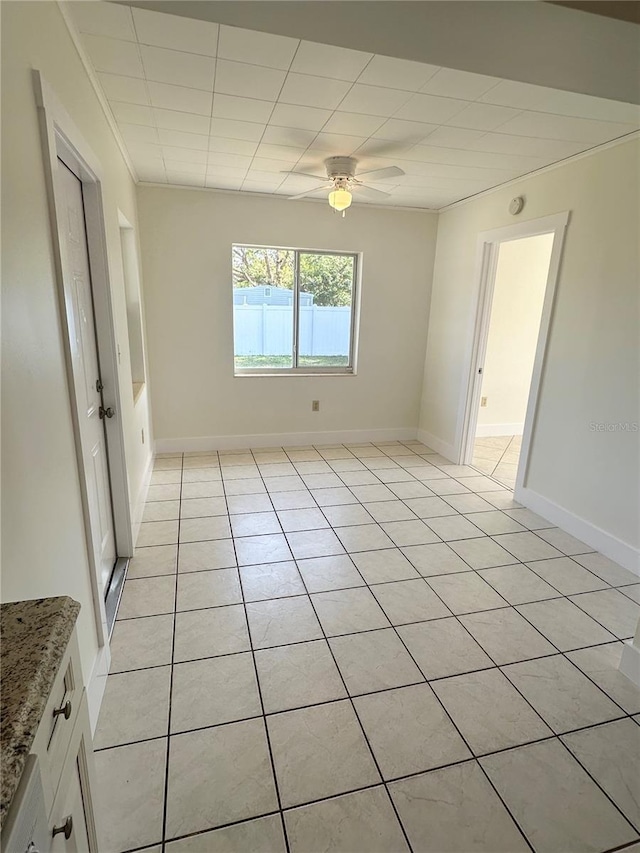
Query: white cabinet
{"type": "Point", "coordinates": [64, 749]}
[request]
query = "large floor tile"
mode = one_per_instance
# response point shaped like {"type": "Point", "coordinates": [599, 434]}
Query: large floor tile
{"type": "Point", "coordinates": [200, 556]}
{"type": "Point", "coordinates": [301, 499]}
{"type": "Point", "coordinates": [147, 597]}
{"type": "Point", "coordinates": [152, 561]}
{"type": "Point", "coordinates": [555, 802]}
{"type": "Point", "coordinates": [272, 580]}
{"type": "Point", "coordinates": [346, 611]}
{"type": "Point", "coordinates": [506, 636]}
{"type": "Point", "coordinates": [518, 584]}
{"type": "Point", "coordinates": [453, 527]}
{"type": "Point", "coordinates": [346, 515]}
{"type": "Point", "coordinates": [321, 574]}
{"type": "Point", "coordinates": [281, 621]}
{"type": "Point", "coordinates": [564, 541]}
{"type": "Point", "coordinates": [409, 601]}
{"type": "Point", "coordinates": [255, 523]}
{"type": "Point", "coordinates": [363, 537]}
{"type": "Point", "coordinates": [383, 566]}
{"type": "Point", "coordinates": [327, 738]}
{"type": "Point", "coordinates": [611, 754]}
{"type": "Point", "coordinates": [212, 489]}
{"type": "Point", "coordinates": [606, 569]}
{"type": "Point", "coordinates": [129, 804]}
{"type": "Point", "coordinates": [564, 624]}
{"type": "Point", "coordinates": [161, 511]}
{"type": "Point", "coordinates": [601, 664]}
{"type": "Point", "coordinates": [527, 518]}
{"type": "Point", "coordinates": [443, 647]}
{"type": "Point", "coordinates": [566, 575]}
{"type": "Point", "coordinates": [483, 553]}
{"type": "Point", "coordinates": [374, 660]}
{"type": "Point", "coordinates": [213, 691]}
{"type": "Point", "coordinates": [208, 633]}
{"type": "Point", "coordinates": [339, 496]}
{"type": "Point", "coordinates": [135, 707]}
{"type": "Point", "coordinates": [199, 590]}
{"type": "Point", "coordinates": [455, 810]}
{"type": "Point", "coordinates": [239, 504]}
{"type": "Point", "coordinates": [139, 643]}
{"type": "Point", "coordinates": [298, 675]}
{"type": "Point", "coordinates": [563, 696]}
{"type": "Point", "coordinates": [438, 559]}
{"type": "Point", "coordinates": [393, 510]}
{"type": "Point", "coordinates": [408, 731]}
{"type": "Point", "coordinates": [262, 835]}
{"type": "Point", "coordinates": [526, 546]}
{"type": "Point", "coordinates": [203, 529]}
{"type": "Point", "coordinates": [494, 522]}
{"type": "Point", "coordinates": [466, 592]}
{"type": "Point", "coordinates": [302, 519]}
{"type": "Point", "coordinates": [425, 504]}
{"type": "Point", "coordinates": [489, 712]}
{"type": "Point", "coordinates": [611, 609]}
{"type": "Point", "coordinates": [232, 761]}
{"type": "Point", "coordinates": [201, 507]}
{"type": "Point", "coordinates": [252, 550]}
{"type": "Point", "coordinates": [314, 543]}
{"type": "Point", "coordinates": [362, 822]}
{"type": "Point", "coordinates": [405, 533]}
{"type": "Point", "coordinates": [168, 492]}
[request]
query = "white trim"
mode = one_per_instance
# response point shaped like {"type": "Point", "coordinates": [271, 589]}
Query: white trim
{"type": "Point", "coordinates": [141, 499]}
{"type": "Point", "coordinates": [630, 662]}
{"type": "Point", "coordinates": [484, 430]}
{"type": "Point", "coordinates": [486, 264]}
{"type": "Point", "coordinates": [290, 439]}
{"type": "Point", "coordinates": [97, 683]}
{"type": "Point", "coordinates": [102, 100]}
{"type": "Point", "coordinates": [620, 552]}
{"type": "Point", "coordinates": [279, 197]}
{"type": "Point", "coordinates": [621, 140]}
{"type": "Point", "coordinates": [441, 447]}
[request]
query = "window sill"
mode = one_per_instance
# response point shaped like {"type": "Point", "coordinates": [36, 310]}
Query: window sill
{"type": "Point", "coordinates": [252, 374]}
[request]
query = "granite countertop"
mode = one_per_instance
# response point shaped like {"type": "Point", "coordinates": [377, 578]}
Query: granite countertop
{"type": "Point", "coordinates": [34, 636]}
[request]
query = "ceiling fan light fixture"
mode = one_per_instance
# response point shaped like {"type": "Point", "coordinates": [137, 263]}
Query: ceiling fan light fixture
{"type": "Point", "coordinates": [340, 199]}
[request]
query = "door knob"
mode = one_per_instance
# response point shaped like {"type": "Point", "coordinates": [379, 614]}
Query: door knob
{"type": "Point", "coordinates": [66, 828]}
{"type": "Point", "coordinates": [106, 413]}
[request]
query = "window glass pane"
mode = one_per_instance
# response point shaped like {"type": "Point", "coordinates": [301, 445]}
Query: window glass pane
{"type": "Point", "coordinates": [326, 304]}
{"type": "Point", "coordinates": [263, 307]}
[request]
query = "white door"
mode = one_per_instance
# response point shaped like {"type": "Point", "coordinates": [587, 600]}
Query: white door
{"type": "Point", "coordinates": [86, 371]}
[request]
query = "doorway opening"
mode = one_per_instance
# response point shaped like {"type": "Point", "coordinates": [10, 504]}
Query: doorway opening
{"type": "Point", "coordinates": [516, 287]}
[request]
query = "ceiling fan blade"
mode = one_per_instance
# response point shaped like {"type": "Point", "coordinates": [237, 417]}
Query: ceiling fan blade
{"type": "Point", "coordinates": [380, 174]}
{"type": "Point", "coordinates": [305, 175]}
{"type": "Point", "coordinates": [309, 192]}
{"type": "Point", "coordinates": [369, 192]}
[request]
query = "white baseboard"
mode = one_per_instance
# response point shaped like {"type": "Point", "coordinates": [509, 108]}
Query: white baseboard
{"type": "Point", "coordinates": [486, 430]}
{"type": "Point", "coordinates": [617, 550]}
{"type": "Point", "coordinates": [441, 447]}
{"type": "Point", "coordinates": [290, 439]}
{"type": "Point", "coordinates": [97, 684]}
{"type": "Point", "coordinates": [630, 662]}
{"type": "Point", "coordinates": [138, 508]}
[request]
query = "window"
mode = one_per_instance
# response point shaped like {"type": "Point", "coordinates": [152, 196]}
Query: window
{"type": "Point", "coordinates": [293, 310]}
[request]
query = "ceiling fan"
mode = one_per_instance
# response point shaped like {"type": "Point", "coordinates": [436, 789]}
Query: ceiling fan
{"type": "Point", "coordinates": [342, 181]}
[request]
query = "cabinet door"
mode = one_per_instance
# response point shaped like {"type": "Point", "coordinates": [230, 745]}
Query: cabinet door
{"type": "Point", "coordinates": [73, 805]}
{"type": "Point", "coordinates": [70, 814]}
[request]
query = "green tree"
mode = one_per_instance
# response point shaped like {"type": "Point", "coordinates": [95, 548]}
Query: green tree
{"type": "Point", "coordinates": [328, 277]}
{"type": "Point", "coordinates": [255, 266]}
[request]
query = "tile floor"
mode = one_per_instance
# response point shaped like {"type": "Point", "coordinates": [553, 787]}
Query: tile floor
{"type": "Point", "coordinates": [498, 457]}
{"type": "Point", "coordinates": [364, 648]}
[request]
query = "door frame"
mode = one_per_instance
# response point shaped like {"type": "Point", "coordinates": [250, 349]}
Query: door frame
{"type": "Point", "coordinates": [487, 251]}
{"type": "Point", "coordinates": [62, 140]}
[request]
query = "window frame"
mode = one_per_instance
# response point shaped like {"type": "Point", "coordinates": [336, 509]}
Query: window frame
{"type": "Point", "coordinates": [295, 370]}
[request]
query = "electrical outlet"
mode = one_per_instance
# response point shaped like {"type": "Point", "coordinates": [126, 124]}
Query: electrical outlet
{"type": "Point", "coordinates": [315, 405]}
{"type": "Point", "coordinates": [483, 401]}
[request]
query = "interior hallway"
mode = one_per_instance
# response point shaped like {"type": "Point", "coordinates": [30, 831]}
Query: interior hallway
{"type": "Point", "coordinates": [369, 649]}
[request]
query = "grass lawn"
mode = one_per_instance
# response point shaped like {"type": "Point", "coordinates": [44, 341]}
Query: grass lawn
{"type": "Point", "coordinates": [247, 361]}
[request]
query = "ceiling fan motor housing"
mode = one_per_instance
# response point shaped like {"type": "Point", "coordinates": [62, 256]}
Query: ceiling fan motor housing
{"type": "Point", "coordinates": [341, 168]}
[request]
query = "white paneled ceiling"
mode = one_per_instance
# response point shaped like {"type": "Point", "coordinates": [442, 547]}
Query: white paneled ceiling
{"type": "Point", "coordinates": [204, 105]}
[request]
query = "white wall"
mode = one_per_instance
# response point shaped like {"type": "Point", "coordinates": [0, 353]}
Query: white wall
{"type": "Point", "coordinates": [43, 545]}
{"type": "Point", "coordinates": [186, 238]}
{"type": "Point", "coordinates": [516, 308]}
{"type": "Point", "coordinates": [591, 373]}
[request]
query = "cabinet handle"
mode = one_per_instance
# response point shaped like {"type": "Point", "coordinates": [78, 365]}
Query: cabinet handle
{"type": "Point", "coordinates": [65, 710]}
{"type": "Point", "coordinates": [66, 827]}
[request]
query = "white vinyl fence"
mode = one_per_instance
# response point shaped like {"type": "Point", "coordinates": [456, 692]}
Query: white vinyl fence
{"type": "Point", "coordinates": [268, 329]}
